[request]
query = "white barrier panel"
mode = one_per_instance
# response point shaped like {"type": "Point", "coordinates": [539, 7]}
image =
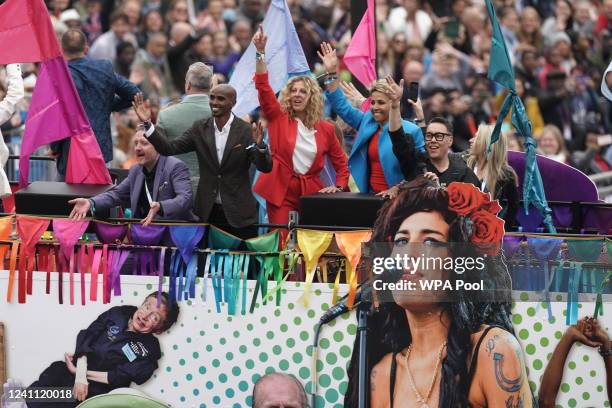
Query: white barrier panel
{"type": "Point", "coordinates": [211, 359]}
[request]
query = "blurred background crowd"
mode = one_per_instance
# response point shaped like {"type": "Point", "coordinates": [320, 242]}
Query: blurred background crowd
{"type": "Point", "coordinates": [559, 49]}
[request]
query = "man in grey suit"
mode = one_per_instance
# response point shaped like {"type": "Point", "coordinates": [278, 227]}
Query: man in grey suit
{"type": "Point", "coordinates": [226, 147]}
{"type": "Point", "coordinates": [158, 187]}
{"type": "Point", "coordinates": [176, 119]}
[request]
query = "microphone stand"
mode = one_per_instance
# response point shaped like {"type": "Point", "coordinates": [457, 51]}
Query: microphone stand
{"type": "Point", "coordinates": [363, 313]}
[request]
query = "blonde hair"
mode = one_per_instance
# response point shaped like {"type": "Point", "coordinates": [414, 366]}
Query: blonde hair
{"type": "Point", "coordinates": [314, 108]}
{"type": "Point", "coordinates": [495, 165]}
{"type": "Point", "coordinates": [380, 85]}
{"type": "Point", "coordinates": [556, 132]}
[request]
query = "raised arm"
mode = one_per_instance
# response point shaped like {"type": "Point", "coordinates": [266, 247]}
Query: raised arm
{"type": "Point", "coordinates": [336, 97]}
{"type": "Point", "coordinates": [156, 134]}
{"type": "Point", "coordinates": [551, 380]}
{"type": "Point", "coordinates": [267, 98]}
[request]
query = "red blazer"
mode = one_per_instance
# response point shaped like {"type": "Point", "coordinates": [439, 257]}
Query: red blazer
{"type": "Point", "coordinates": [282, 135]}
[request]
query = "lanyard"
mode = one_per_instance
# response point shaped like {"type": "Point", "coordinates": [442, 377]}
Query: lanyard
{"type": "Point", "coordinates": [147, 191]}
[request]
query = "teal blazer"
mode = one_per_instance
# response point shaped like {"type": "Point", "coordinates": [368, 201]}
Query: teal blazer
{"type": "Point", "coordinates": [367, 127]}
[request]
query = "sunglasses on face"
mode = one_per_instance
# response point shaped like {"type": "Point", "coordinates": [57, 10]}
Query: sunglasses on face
{"type": "Point", "coordinates": [437, 136]}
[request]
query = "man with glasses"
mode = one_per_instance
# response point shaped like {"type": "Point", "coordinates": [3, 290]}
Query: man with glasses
{"type": "Point", "coordinates": [439, 163]}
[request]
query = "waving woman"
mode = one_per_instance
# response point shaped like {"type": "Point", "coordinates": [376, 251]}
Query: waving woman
{"type": "Point", "coordinates": [372, 162]}
{"type": "Point", "coordinates": [299, 140]}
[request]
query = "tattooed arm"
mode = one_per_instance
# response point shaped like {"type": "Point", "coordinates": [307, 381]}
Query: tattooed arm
{"type": "Point", "coordinates": [501, 371]}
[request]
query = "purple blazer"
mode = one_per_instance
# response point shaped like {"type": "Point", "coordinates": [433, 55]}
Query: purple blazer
{"type": "Point", "coordinates": [172, 188]}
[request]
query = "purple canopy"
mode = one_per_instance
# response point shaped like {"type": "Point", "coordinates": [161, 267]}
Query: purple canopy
{"type": "Point", "coordinates": [561, 182]}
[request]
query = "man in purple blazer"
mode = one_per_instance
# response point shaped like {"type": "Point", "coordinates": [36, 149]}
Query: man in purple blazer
{"type": "Point", "coordinates": [158, 187]}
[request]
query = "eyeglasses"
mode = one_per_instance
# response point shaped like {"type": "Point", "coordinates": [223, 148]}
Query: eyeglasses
{"type": "Point", "coordinates": [438, 136]}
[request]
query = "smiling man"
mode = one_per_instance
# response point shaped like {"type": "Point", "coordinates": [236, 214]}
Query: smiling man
{"type": "Point", "coordinates": [158, 187]}
{"type": "Point", "coordinates": [226, 146]}
{"type": "Point", "coordinates": [438, 162]}
{"type": "Point", "coordinates": [118, 348]}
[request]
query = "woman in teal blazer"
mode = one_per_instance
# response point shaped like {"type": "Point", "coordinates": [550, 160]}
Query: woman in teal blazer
{"type": "Point", "coordinates": [371, 162]}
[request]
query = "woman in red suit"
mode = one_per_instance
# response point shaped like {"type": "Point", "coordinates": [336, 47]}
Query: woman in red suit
{"type": "Point", "coordinates": [299, 140]}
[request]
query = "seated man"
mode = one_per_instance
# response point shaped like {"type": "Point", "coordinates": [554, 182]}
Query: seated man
{"type": "Point", "coordinates": [158, 187]}
{"type": "Point", "coordinates": [118, 348]}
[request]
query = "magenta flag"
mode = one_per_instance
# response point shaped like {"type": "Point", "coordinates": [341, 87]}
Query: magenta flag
{"type": "Point", "coordinates": [26, 33]}
{"type": "Point", "coordinates": [56, 111]}
{"type": "Point", "coordinates": [360, 56]}
{"type": "Point", "coordinates": [68, 233]}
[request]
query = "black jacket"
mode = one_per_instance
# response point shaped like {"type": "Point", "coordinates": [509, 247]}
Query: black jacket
{"type": "Point", "coordinates": [230, 177]}
{"type": "Point", "coordinates": [413, 163]}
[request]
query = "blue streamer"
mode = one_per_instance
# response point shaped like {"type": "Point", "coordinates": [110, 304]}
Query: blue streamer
{"type": "Point", "coordinates": [247, 259]}
{"type": "Point", "coordinates": [572, 294]}
{"type": "Point", "coordinates": [172, 286]}
{"type": "Point", "coordinates": [205, 277]}
{"type": "Point", "coordinates": [191, 273]}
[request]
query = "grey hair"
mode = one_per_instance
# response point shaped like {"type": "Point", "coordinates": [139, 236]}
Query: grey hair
{"type": "Point", "coordinates": [199, 75]}
{"type": "Point", "coordinates": [292, 378]}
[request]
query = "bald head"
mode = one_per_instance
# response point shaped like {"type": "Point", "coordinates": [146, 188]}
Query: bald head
{"type": "Point", "coordinates": [180, 30]}
{"type": "Point", "coordinates": [226, 90]}
{"type": "Point", "coordinates": [413, 71]}
{"type": "Point", "coordinates": [74, 44]}
{"type": "Point", "coordinates": [279, 389]}
{"type": "Point", "coordinates": [222, 100]}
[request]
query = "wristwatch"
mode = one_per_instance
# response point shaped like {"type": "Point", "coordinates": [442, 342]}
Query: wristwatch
{"type": "Point", "coordinates": [260, 56]}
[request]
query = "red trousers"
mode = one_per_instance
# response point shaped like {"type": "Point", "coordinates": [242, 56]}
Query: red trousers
{"type": "Point", "coordinates": [280, 215]}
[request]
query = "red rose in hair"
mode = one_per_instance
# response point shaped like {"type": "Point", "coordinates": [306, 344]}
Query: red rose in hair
{"type": "Point", "coordinates": [487, 231]}
{"type": "Point", "coordinates": [492, 206]}
{"type": "Point", "coordinates": [463, 198]}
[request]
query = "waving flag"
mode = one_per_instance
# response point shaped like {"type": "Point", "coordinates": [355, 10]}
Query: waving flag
{"type": "Point", "coordinates": [284, 58]}
{"type": "Point", "coordinates": [501, 71]}
{"type": "Point", "coordinates": [56, 111]}
{"type": "Point", "coordinates": [360, 56]}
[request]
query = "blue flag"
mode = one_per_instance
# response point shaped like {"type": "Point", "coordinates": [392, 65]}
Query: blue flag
{"type": "Point", "coordinates": [501, 71]}
{"type": "Point", "coordinates": [284, 58]}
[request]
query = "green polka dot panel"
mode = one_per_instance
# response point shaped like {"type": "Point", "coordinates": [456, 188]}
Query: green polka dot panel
{"type": "Point", "coordinates": [212, 362]}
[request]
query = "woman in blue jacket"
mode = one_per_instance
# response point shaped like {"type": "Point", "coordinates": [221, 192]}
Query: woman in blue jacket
{"type": "Point", "coordinates": [371, 162]}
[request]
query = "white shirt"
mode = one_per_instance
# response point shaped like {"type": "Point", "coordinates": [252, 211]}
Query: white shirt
{"type": "Point", "coordinates": [14, 94]}
{"type": "Point", "coordinates": [221, 136]}
{"type": "Point", "coordinates": [417, 29]}
{"type": "Point", "coordinates": [220, 142]}
{"type": "Point", "coordinates": [305, 149]}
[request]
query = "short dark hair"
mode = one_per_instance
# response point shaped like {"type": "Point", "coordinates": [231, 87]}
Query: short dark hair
{"type": "Point", "coordinates": [172, 306]}
{"type": "Point", "coordinates": [303, 397]}
{"type": "Point", "coordinates": [442, 121]}
{"type": "Point", "coordinates": [74, 42]}
{"type": "Point", "coordinates": [118, 15]}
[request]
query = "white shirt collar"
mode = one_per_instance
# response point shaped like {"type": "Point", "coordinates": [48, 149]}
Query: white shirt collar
{"type": "Point", "coordinates": [227, 125]}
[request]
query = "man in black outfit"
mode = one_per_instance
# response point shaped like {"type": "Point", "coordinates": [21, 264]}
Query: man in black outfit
{"type": "Point", "coordinates": [226, 146]}
{"type": "Point", "coordinates": [118, 348]}
{"type": "Point", "coordinates": [439, 162]}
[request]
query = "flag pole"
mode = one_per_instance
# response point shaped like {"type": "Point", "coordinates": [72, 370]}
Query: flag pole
{"type": "Point", "coordinates": [375, 37]}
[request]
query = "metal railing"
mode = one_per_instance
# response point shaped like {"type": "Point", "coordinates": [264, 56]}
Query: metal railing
{"type": "Point", "coordinates": [603, 181]}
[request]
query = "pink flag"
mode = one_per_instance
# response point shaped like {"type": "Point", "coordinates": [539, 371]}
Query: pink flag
{"type": "Point", "coordinates": [56, 111]}
{"type": "Point", "coordinates": [68, 233]}
{"type": "Point", "coordinates": [360, 56]}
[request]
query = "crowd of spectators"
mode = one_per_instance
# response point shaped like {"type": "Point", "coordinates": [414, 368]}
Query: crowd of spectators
{"type": "Point", "coordinates": [559, 50]}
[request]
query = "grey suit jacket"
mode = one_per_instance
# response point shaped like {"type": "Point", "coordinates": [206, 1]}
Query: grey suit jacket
{"type": "Point", "coordinates": [171, 188]}
{"type": "Point", "coordinates": [230, 177]}
{"type": "Point", "coordinates": [176, 119]}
